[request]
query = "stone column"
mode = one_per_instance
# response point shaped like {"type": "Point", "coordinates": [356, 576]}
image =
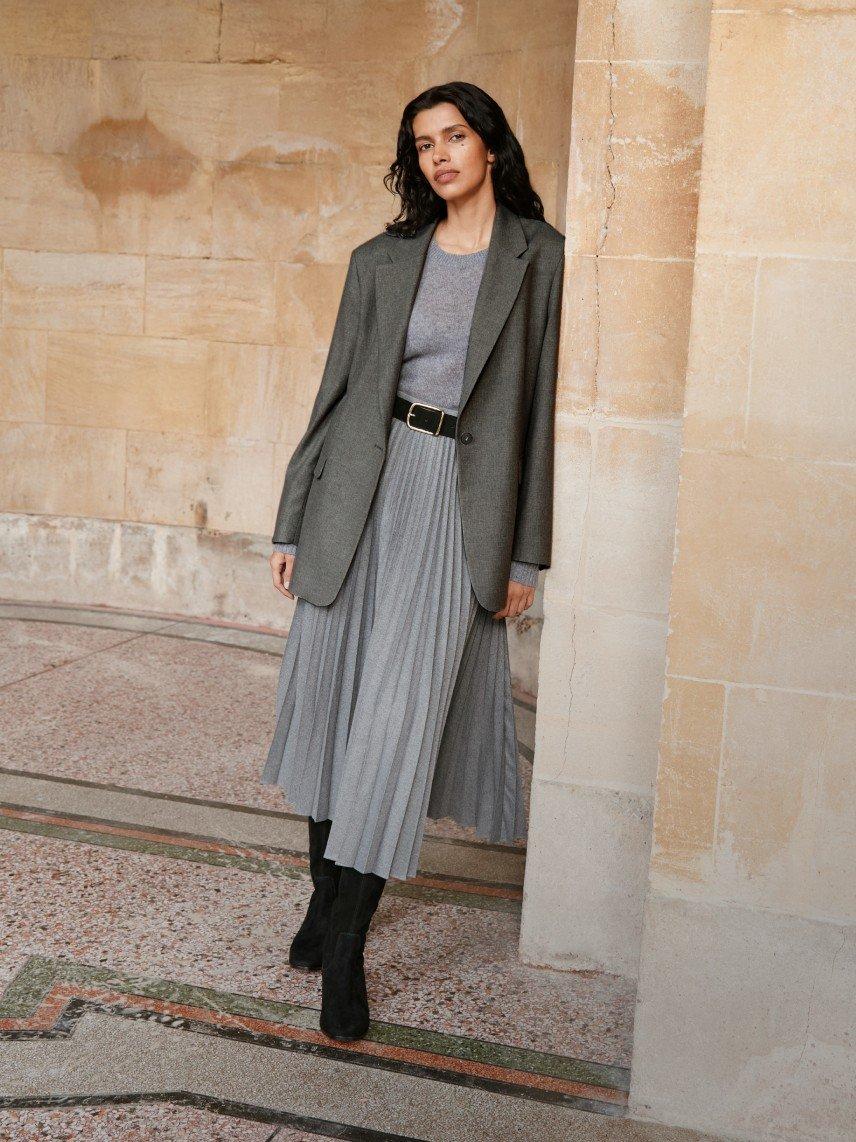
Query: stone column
{"type": "Point", "coordinates": [639, 77]}
{"type": "Point", "coordinates": [747, 995]}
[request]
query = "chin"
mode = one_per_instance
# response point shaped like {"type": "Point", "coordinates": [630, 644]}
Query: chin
{"type": "Point", "coordinates": [450, 193]}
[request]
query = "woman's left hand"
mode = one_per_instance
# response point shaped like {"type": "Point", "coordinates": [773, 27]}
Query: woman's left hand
{"type": "Point", "coordinates": [518, 599]}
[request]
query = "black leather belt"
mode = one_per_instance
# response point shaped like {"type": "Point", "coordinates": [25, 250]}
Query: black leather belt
{"type": "Point", "coordinates": [424, 417]}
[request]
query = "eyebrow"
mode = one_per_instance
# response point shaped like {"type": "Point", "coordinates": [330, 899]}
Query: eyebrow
{"type": "Point", "coordinates": [453, 127]}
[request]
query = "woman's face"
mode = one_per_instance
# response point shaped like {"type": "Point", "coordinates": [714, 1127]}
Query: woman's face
{"type": "Point", "coordinates": [449, 148]}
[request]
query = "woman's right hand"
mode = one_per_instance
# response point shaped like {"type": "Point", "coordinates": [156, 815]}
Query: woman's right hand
{"type": "Point", "coordinates": [281, 566]}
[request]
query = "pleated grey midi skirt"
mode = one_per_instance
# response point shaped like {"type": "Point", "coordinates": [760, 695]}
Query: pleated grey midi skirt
{"type": "Point", "coordinates": [394, 702]}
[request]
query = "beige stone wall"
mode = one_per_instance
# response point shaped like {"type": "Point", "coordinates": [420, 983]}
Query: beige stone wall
{"type": "Point", "coordinates": [631, 224]}
{"type": "Point", "coordinates": [181, 183]}
{"type": "Point", "coordinates": [749, 950]}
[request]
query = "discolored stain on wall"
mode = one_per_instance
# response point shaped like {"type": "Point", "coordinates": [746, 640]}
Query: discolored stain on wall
{"type": "Point", "coordinates": [115, 157]}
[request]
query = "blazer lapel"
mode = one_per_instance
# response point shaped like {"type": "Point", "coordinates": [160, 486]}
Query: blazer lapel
{"type": "Point", "coordinates": [397, 282]}
{"type": "Point", "coordinates": [501, 280]}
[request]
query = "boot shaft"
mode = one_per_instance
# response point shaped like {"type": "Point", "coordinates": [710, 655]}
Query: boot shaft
{"type": "Point", "coordinates": [356, 901]}
{"type": "Point", "coordinates": [319, 866]}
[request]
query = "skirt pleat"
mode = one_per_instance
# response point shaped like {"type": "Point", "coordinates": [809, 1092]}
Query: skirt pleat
{"type": "Point", "coordinates": [394, 702]}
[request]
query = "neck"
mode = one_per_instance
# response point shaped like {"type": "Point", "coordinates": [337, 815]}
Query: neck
{"type": "Point", "coordinates": [467, 226]}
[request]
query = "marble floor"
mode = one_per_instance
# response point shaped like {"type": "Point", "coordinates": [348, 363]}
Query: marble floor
{"type": "Point", "coordinates": [150, 888]}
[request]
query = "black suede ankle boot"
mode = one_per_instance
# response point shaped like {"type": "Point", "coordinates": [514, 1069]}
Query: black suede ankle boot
{"type": "Point", "coordinates": [306, 951]}
{"type": "Point", "coordinates": [344, 1001]}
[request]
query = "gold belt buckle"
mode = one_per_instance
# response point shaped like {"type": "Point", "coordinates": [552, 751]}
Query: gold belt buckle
{"type": "Point", "coordinates": [415, 428]}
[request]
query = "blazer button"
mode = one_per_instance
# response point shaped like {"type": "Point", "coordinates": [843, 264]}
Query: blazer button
{"type": "Point", "coordinates": [466, 437]}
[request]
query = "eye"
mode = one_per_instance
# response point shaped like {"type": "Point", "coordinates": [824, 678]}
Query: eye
{"type": "Point", "coordinates": [457, 135]}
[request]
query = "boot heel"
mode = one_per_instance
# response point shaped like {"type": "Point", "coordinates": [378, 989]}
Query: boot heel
{"type": "Point", "coordinates": [345, 1007]}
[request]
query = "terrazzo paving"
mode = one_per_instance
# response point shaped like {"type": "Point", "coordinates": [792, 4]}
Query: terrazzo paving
{"type": "Point", "coordinates": [140, 1123]}
{"type": "Point", "coordinates": [155, 886]}
{"type": "Point", "coordinates": [437, 966]}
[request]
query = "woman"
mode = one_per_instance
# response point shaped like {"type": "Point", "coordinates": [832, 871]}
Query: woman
{"type": "Point", "coordinates": [415, 515]}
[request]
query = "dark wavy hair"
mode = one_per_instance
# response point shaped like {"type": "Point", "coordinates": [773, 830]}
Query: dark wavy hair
{"type": "Point", "coordinates": [420, 204]}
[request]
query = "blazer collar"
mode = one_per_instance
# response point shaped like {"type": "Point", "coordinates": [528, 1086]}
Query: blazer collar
{"type": "Point", "coordinates": [507, 235]}
{"type": "Point", "coordinates": [397, 282]}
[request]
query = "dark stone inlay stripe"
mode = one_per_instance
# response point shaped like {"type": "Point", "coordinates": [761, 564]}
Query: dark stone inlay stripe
{"type": "Point", "coordinates": [151, 794]}
{"type": "Point", "coordinates": [323, 1128]}
{"type": "Point", "coordinates": [75, 1009]}
{"type": "Point", "coordinates": [231, 807]}
{"type": "Point", "coordinates": [77, 614]}
{"type": "Point", "coordinates": [245, 861]}
{"type": "Point", "coordinates": [33, 983]}
{"type": "Point", "coordinates": [448, 880]}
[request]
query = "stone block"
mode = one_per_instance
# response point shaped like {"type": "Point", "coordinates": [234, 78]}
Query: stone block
{"type": "Point", "coordinates": [211, 298]}
{"type": "Point", "coordinates": [101, 293]}
{"type": "Point", "coordinates": [719, 352]}
{"type": "Point", "coordinates": [266, 212]}
{"type": "Point", "coordinates": [156, 29]}
{"type": "Point", "coordinates": [601, 687]}
{"type": "Point", "coordinates": [23, 359]}
{"type": "Point", "coordinates": [201, 482]}
{"type": "Point", "coordinates": [744, 1023]}
{"type": "Point", "coordinates": [126, 382]}
{"type": "Point", "coordinates": [630, 531]}
{"type": "Point", "coordinates": [802, 399]}
{"type": "Point", "coordinates": [62, 470]}
{"type": "Point", "coordinates": [763, 573]}
{"type": "Point", "coordinates": [761, 196]}
{"type": "Point", "coordinates": [687, 781]}
{"type": "Point", "coordinates": [587, 858]}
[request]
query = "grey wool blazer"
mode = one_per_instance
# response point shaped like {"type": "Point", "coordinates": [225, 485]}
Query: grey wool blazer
{"type": "Point", "coordinates": [505, 433]}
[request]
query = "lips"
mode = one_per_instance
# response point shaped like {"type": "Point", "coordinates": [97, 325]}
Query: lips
{"type": "Point", "coordinates": [445, 176]}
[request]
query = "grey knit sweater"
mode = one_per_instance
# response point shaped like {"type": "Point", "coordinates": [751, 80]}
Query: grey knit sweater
{"type": "Point", "coordinates": [432, 369]}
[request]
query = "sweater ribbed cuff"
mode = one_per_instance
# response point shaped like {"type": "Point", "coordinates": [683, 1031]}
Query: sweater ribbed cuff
{"type": "Point", "coordinates": [526, 573]}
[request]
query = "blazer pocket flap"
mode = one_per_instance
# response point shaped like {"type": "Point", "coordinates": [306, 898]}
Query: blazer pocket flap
{"type": "Point", "coordinates": [319, 465]}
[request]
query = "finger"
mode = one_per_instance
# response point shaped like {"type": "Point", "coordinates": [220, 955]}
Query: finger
{"type": "Point", "coordinates": [508, 608]}
{"type": "Point", "coordinates": [282, 577]}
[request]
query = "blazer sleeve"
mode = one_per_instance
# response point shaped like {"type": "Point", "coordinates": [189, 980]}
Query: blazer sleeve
{"type": "Point", "coordinates": [334, 382]}
{"type": "Point", "coordinates": [533, 530]}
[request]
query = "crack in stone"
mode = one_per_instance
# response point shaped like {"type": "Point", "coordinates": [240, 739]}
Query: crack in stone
{"type": "Point", "coordinates": [604, 229]}
{"type": "Point", "coordinates": [810, 1006]}
{"type": "Point", "coordinates": [218, 57]}
{"type": "Point", "coordinates": [577, 601]}
{"type": "Point", "coordinates": [570, 691]}
{"type": "Point", "coordinates": [601, 242]}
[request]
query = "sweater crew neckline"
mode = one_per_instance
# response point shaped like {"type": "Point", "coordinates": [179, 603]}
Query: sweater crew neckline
{"type": "Point", "coordinates": [448, 254]}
